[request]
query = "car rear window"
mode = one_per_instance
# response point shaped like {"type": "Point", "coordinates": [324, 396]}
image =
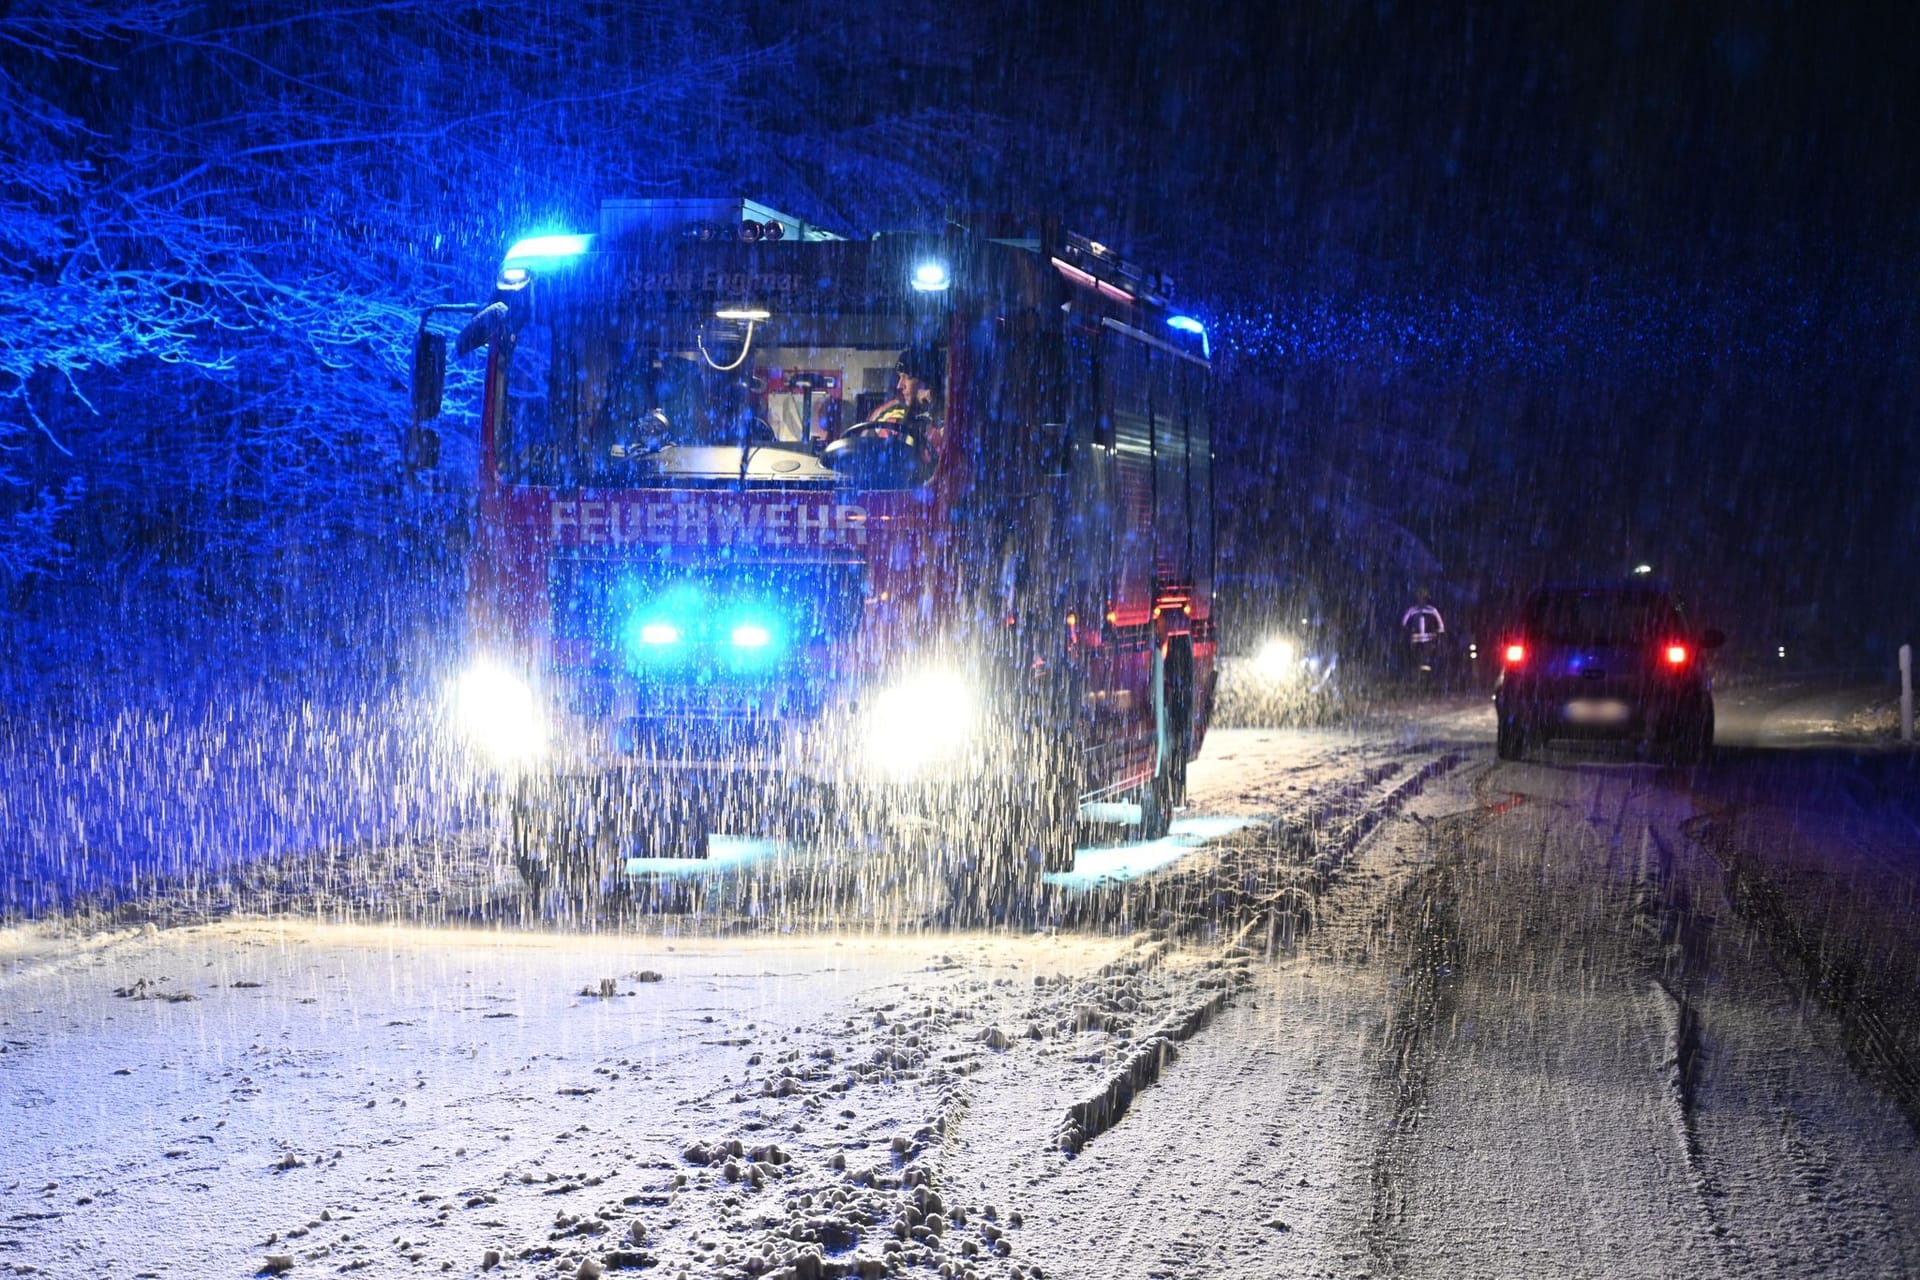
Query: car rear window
{"type": "Point", "coordinates": [1597, 617]}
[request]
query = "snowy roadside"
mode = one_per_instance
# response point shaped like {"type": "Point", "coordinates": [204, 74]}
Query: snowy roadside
{"type": "Point", "coordinates": [1525, 1032]}
{"type": "Point", "coordinates": [298, 1089]}
{"type": "Point", "coordinates": [207, 1100]}
{"type": "Point", "coordinates": [101, 805]}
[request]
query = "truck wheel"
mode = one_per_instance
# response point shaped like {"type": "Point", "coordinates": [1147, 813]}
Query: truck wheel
{"type": "Point", "coordinates": [1179, 703]}
{"type": "Point", "coordinates": [686, 836]}
{"type": "Point", "coordinates": [1510, 742]}
{"type": "Point", "coordinates": [1166, 790]}
{"type": "Point", "coordinates": [1058, 804]}
{"type": "Point", "coordinates": [1157, 804]}
{"type": "Point", "coordinates": [812, 814]}
{"type": "Point", "coordinates": [997, 879]}
{"type": "Point", "coordinates": [1029, 831]}
{"type": "Point", "coordinates": [556, 842]}
{"type": "Point", "coordinates": [676, 823]}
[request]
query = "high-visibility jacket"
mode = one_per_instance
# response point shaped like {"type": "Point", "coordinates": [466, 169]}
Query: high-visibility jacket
{"type": "Point", "coordinates": [1423, 624]}
{"type": "Point", "coordinates": [899, 415]}
{"type": "Point", "coordinates": [907, 419]}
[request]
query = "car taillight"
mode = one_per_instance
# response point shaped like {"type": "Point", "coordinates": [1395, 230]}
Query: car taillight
{"type": "Point", "coordinates": [1514, 654]}
{"type": "Point", "coordinates": [1677, 655]}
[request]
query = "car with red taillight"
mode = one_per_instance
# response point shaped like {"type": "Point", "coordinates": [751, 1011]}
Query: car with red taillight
{"type": "Point", "coordinates": [1606, 660]}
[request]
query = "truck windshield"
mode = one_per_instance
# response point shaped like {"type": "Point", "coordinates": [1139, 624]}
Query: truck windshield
{"type": "Point", "coordinates": [599, 396]}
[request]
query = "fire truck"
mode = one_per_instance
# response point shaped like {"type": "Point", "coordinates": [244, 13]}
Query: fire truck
{"type": "Point", "coordinates": [777, 528]}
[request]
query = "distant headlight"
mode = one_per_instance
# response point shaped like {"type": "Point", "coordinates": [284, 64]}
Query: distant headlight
{"type": "Point", "coordinates": [919, 722]}
{"type": "Point", "coordinates": [1276, 660]}
{"type": "Point", "coordinates": [496, 710]}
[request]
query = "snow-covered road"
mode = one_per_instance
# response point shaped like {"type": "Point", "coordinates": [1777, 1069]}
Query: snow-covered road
{"type": "Point", "coordinates": [1547, 1020]}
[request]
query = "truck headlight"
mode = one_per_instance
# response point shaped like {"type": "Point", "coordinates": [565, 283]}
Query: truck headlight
{"type": "Point", "coordinates": [1276, 659]}
{"type": "Point", "coordinates": [496, 710]}
{"type": "Point", "coordinates": [918, 722]}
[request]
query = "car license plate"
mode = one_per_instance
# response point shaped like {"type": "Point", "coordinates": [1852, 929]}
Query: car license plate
{"type": "Point", "coordinates": [1597, 711]}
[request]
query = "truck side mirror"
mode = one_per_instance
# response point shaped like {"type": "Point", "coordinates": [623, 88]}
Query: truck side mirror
{"type": "Point", "coordinates": [489, 325]}
{"type": "Point", "coordinates": [429, 374]}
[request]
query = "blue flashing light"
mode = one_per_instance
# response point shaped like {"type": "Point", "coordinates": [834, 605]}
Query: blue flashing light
{"type": "Point", "coordinates": [751, 635]}
{"type": "Point", "coordinates": [754, 635]}
{"type": "Point", "coordinates": [658, 630]}
{"type": "Point", "coordinates": [1187, 324]}
{"type": "Point", "coordinates": [549, 247]}
{"type": "Point", "coordinates": [687, 624]}
{"type": "Point", "coordinates": [931, 277]}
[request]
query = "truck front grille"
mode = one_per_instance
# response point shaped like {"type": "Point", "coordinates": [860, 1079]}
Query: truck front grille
{"type": "Point", "coordinates": [720, 641]}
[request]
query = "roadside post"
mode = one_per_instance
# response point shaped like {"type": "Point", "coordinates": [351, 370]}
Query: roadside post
{"type": "Point", "coordinates": [1906, 693]}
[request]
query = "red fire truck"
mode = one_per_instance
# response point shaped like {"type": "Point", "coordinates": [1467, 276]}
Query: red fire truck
{"type": "Point", "coordinates": [777, 527]}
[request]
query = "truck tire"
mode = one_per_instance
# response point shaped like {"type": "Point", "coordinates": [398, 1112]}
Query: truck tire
{"type": "Point", "coordinates": [998, 879]}
{"type": "Point", "coordinates": [1031, 828]}
{"type": "Point", "coordinates": [568, 839]}
{"type": "Point", "coordinates": [1166, 789]}
{"type": "Point", "coordinates": [1179, 710]}
{"type": "Point", "coordinates": [1156, 804]}
{"type": "Point", "coordinates": [553, 849]}
{"type": "Point", "coordinates": [525, 850]}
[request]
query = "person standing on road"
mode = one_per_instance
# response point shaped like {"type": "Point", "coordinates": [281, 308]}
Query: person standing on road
{"type": "Point", "coordinates": [1423, 627]}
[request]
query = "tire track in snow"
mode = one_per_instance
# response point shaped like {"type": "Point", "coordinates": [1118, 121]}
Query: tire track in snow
{"type": "Point", "coordinates": [1197, 1240]}
{"type": "Point", "coordinates": [1665, 903]}
{"type": "Point", "coordinates": [1421, 912]}
{"type": "Point", "coordinates": [1100, 1110]}
{"type": "Point", "coordinates": [1246, 896]}
{"type": "Point", "coordinates": [1521, 1104]}
{"type": "Point", "coordinates": [1841, 1204]}
{"type": "Point", "coordinates": [1234, 1170]}
{"type": "Point", "coordinates": [1876, 1016]}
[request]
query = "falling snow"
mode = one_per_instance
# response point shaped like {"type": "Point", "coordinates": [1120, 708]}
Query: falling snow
{"type": "Point", "coordinates": [1188, 354]}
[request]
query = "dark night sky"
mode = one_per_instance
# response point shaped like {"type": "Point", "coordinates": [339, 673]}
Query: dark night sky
{"type": "Point", "coordinates": [1646, 269]}
{"type": "Point", "coordinates": [1503, 290]}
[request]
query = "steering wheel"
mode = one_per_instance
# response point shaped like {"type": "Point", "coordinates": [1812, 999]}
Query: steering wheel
{"type": "Point", "coordinates": [884, 431]}
{"type": "Point", "coordinates": [880, 453]}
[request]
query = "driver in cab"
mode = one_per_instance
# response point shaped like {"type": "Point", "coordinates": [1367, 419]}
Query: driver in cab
{"type": "Point", "coordinates": [916, 389]}
{"type": "Point", "coordinates": [907, 425]}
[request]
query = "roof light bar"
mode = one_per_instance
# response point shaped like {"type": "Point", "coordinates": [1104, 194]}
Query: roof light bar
{"type": "Point", "coordinates": [1187, 324]}
{"type": "Point", "coordinates": [549, 247]}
